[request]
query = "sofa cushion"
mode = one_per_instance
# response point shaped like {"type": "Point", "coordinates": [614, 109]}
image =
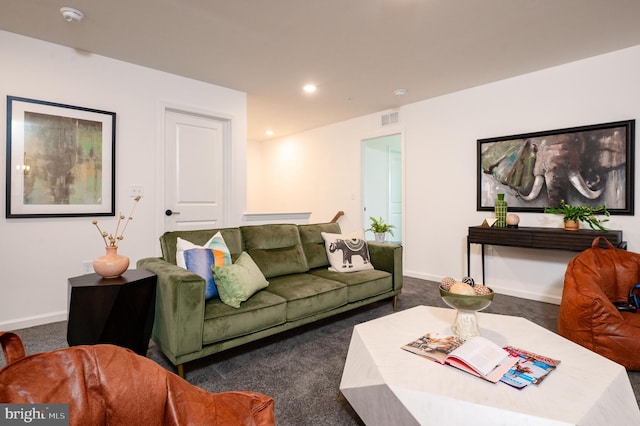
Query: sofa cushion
{"type": "Point", "coordinates": [168, 241]}
{"type": "Point", "coordinates": [348, 252]}
{"type": "Point", "coordinates": [308, 294]}
{"type": "Point", "coordinates": [360, 285]}
{"type": "Point", "coordinates": [313, 243]}
{"type": "Point", "coordinates": [239, 281]}
{"type": "Point", "coordinates": [201, 260]}
{"type": "Point", "coordinates": [216, 243]}
{"type": "Point", "coordinates": [275, 248]}
{"type": "Point", "coordinates": [222, 322]}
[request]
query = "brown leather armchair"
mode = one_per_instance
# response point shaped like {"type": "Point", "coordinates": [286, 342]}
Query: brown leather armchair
{"type": "Point", "coordinates": [594, 280]}
{"type": "Point", "coordinates": [110, 385]}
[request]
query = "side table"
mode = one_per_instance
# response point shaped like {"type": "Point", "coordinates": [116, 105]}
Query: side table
{"type": "Point", "coordinates": [118, 311]}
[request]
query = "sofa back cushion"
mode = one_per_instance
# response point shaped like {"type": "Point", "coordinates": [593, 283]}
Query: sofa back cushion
{"type": "Point", "coordinates": [168, 241]}
{"type": "Point", "coordinates": [313, 243]}
{"type": "Point", "coordinates": [275, 248]}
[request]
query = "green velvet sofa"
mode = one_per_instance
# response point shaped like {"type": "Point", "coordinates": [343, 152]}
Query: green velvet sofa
{"type": "Point", "coordinates": [301, 288]}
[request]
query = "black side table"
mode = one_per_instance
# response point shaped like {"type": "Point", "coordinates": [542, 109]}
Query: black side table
{"type": "Point", "coordinates": [119, 310]}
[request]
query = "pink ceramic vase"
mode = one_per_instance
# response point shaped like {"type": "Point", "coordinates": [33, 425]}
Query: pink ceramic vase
{"type": "Point", "coordinates": [112, 264]}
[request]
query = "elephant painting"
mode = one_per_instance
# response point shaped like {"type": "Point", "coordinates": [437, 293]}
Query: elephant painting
{"type": "Point", "coordinates": [582, 167]}
{"type": "Point", "coordinates": [351, 247]}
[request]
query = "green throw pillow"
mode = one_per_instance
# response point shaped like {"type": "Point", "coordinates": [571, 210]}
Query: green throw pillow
{"type": "Point", "coordinates": [239, 281]}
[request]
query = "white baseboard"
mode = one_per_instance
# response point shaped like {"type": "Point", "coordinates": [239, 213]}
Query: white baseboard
{"type": "Point", "coordinates": [34, 321]}
{"type": "Point", "coordinates": [529, 295]}
{"type": "Point", "coordinates": [538, 297]}
{"type": "Point", "coordinates": [422, 276]}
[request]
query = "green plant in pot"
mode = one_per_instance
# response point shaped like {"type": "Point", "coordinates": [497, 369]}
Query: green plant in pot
{"type": "Point", "coordinates": [572, 215]}
{"type": "Point", "coordinates": [379, 228]}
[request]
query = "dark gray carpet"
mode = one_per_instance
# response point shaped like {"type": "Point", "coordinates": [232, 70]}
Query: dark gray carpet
{"type": "Point", "coordinates": [301, 369]}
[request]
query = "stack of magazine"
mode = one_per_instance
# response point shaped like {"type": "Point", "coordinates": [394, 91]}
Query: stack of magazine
{"type": "Point", "coordinates": [483, 358]}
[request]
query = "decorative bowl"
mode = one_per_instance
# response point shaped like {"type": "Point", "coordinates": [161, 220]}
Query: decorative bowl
{"type": "Point", "coordinates": [465, 324]}
{"type": "Point", "coordinates": [466, 302]}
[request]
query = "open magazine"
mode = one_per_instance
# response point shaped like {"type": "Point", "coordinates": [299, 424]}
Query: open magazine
{"type": "Point", "coordinates": [477, 355]}
{"type": "Point", "coordinates": [530, 369]}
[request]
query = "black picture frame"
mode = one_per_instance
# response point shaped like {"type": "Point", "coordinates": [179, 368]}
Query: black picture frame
{"type": "Point", "coordinates": [587, 165]}
{"type": "Point", "coordinates": [60, 160]}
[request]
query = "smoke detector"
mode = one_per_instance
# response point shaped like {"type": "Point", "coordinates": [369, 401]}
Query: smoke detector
{"type": "Point", "coordinates": [71, 15]}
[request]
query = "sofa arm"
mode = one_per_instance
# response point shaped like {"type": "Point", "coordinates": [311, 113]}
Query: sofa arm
{"type": "Point", "coordinates": [180, 306]}
{"type": "Point", "coordinates": [387, 257]}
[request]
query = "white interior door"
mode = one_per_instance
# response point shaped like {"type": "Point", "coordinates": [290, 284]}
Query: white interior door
{"type": "Point", "coordinates": [195, 169]}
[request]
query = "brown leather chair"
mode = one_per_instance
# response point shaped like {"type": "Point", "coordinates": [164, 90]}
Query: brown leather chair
{"type": "Point", "coordinates": [110, 385]}
{"type": "Point", "coordinates": [594, 280]}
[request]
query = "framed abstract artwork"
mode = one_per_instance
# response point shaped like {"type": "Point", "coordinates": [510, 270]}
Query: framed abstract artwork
{"type": "Point", "coordinates": [587, 165]}
{"type": "Point", "coordinates": [60, 160]}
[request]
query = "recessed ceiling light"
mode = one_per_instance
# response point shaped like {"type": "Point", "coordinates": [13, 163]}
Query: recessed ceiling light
{"type": "Point", "coordinates": [269, 133]}
{"type": "Point", "coordinates": [310, 88]}
{"type": "Point", "coordinates": [400, 92]}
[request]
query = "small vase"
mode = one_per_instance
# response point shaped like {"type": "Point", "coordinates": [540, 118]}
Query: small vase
{"type": "Point", "coordinates": [111, 265]}
{"type": "Point", "coordinates": [571, 225]}
{"type": "Point", "coordinates": [379, 236]}
{"type": "Point", "coordinates": [501, 211]}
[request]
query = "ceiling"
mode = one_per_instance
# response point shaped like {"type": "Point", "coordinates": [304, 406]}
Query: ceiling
{"type": "Point", "coordinates": [356, 51]}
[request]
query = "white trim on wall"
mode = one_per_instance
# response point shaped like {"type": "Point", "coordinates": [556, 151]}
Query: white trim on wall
{"type": "Point", "coordinates": [300, 218]}
{"type": "Point", "coordinates": [34, 321]}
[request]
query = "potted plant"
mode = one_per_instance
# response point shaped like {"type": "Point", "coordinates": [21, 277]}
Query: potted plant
{"type": "Point", "coordinates": [379, 228]}
{"type": "Point", "coordinates": [572, 215]}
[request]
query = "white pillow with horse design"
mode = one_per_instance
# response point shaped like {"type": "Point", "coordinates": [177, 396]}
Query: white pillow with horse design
{"type": "Point", "coordinates": [347, 252]}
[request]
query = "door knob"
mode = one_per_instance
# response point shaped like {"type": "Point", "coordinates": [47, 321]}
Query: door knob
{"type": "Point", "coordinates": [169, 212]}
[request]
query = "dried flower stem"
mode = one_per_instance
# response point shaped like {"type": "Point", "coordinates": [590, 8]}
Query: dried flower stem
{"type": "Point", "coordinates": [113, 241]}
{"type": "Point", "coordinates": [129, 219]}
{"type": "Point", "coordinates": [102, 234]}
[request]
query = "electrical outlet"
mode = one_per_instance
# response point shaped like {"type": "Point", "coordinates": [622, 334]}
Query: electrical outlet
{"type": "Point", "coordinates": [87, 266]}
{"type": "Point", "coordinates": [136, 190]}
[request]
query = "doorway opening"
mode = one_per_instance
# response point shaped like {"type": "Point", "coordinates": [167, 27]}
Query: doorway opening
{"type": "Point", "coordinates": [382, 183]}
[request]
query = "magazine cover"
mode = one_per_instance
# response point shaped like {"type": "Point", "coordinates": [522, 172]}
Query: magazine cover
{"type": "Point", "coordinates": [434, 346]}
{"type": "Point", "coordinates": [530, 369]}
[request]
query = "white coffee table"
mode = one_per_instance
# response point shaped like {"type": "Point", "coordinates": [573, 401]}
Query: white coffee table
{"type": "Point", "coordinates": [389, 386]}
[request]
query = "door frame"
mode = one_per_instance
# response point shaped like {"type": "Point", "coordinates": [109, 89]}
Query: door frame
{"type": "Point", "coordinates": [163, 108]}
{"type": "Point", "coordinates": [390, 131]}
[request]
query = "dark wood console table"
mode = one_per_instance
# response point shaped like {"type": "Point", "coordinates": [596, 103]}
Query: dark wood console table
{"type": "Point", "coordinates": [538, 238]}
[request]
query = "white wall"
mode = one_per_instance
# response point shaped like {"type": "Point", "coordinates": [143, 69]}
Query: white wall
{"type": "Point", "coordinates": [38, 255]}
{"type": "Point", "coordinates": [319, 170]}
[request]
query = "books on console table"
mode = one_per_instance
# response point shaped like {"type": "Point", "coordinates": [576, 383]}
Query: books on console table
{"type": "Point", "coordinates": [483, 358]}
{"type": "Point", "coordinates": [477, 355]}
